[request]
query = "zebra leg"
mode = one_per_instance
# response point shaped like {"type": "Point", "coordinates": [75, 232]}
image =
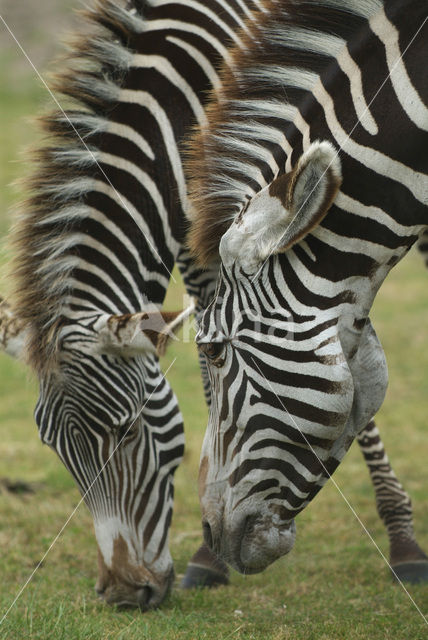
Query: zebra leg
{"type": "Point", "coordinates": [204, 568]}
{"type": "Point", "coordinates": [408, 562]}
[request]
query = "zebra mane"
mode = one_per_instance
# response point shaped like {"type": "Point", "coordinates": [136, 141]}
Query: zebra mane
{"type": "Point", "coordinates": [46, 234]}
{"type": "Point", "coordinates": [242, 148]}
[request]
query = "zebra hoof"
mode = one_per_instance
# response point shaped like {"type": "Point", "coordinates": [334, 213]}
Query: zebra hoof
{"type": "Point", "coordinates": [411, 572]}
{"type": "Point", "coordinates": [202, 578]}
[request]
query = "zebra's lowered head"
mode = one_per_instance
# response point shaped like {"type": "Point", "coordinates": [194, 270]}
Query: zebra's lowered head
{"type": "Point", "coordinates": [295, 365]}
{"type": "Point", "coordinates": [109, 413]}
{"type": "Point", "coordinates": [289, 391]}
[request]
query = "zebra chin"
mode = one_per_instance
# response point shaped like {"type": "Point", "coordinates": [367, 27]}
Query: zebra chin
{"type": "Point", "coordinates": [143, 597]}
{"type": "Point", "coordinates": [126, 585]}
{"type": "Point", "coordinates": [262, 545]}
{"type": "Point", "coordinates": [251, 544]}
{"type": "Point", "coordinates": [138, 595]}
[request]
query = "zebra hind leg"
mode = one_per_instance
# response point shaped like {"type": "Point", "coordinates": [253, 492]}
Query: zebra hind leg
{"type": "Point", "coordinates": [408, 562]}
{"type": "Point", "coordinates": [205, 570]}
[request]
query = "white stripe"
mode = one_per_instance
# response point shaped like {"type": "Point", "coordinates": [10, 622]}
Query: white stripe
{"type": "Point", "coordinates": [89, 241]}
{"type": "Point", "coordinates": [359, 246]}
{"type": "Point", "coordinates": [260, 132]}
{"type": "Point", "coordinates": [403, 87]}
{"type": "Point", "coordinates": [119, 198]}
{"type": "Point", "coordinates": [374, 213]}
{"type": "Point", "coordinates": [416, 182]}
{"type": "Point", "coordinates": [283, 76]}
{"type": "Point", "coordinates": [335, 47]}
{"type": "Point", "coordinates": [245, 8]}
{"type": "Point", "coordinates": [165, 68]}
{"type": "Point", "coordinates": [353, 72]}
{"type": "Point", "coordinates": [124, 131]}
{"type": "Point", "coordinates": [80, 212]}
{"type": "Point", "coordinates": [248, 148]}
{"type": "Point", "coordinates": [275, 108]}
{"type": "Point", "coordinates": [147, 101]}
{"type": "Point", "coordinates": [149, 185]}
{"type": "Point", "coordinates": [168, 25]}
{"type": "Point", "coordinates": [225, 4]}
{"type": "Point", "coordinates": [202, 60]}
{"type": "Point", "coordinates": [363, 8]}
{"type": "Point", "coordinates": [95, 292]}
{"type": "Point", "coordinates": [202, 8]}
{"type": "Point", "coordinates": [260, 5]}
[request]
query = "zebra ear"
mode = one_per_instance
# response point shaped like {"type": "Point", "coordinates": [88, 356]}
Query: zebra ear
{"type": "Point", "coordinates": [177, 320]}
{"type": "Point", "coordinates": [12, 332]}
{"type": "Point", "coordinates": [130, 335]}
{"type": "Point", "coordinates": [285, 211]}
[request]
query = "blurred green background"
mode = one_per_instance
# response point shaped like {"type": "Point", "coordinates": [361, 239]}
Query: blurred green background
{"type": "Point", "coordinates": [333, 585]}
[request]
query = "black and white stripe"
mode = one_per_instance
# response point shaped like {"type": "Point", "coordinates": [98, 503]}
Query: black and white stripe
{"type": "Point", "coordinates": [296, 368]}
{"type": "Point", "coordinates": [95, 247]}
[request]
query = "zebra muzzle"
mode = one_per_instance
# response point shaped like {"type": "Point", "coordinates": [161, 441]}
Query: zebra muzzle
{"type": "Point", "coordinates": [144, 597]}
{"type": "Point", "coordinates": [251, 543]}
{"type": "Point", "coordinates": [261, 542]}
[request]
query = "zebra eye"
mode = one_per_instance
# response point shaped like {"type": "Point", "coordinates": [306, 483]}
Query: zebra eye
{"type": "Point", "coordinates": [124, 431]}
{"type": "Point", "coordinates": [213, 351]}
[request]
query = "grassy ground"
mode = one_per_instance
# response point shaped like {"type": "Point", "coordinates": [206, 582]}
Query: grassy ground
{"type": "Point", "coordinates": [334, 585]}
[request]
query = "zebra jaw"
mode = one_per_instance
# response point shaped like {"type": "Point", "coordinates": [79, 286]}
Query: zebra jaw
{"type": "Point", "coordinates": [285, 211]}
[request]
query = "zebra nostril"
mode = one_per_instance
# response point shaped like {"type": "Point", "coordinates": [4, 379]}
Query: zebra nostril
{"type": "Point", "coordinates": [208, 536]}
{"type": "Point", "coordinates": [144, 596]}
{"type": "Point", "coordinates": [249, 524]}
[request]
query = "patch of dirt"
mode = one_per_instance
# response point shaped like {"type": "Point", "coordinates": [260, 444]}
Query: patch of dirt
{"type": "Point", "coordinates": [19, 487]}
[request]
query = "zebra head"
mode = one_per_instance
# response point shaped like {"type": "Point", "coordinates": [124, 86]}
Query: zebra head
{"type": "Point", "coordinates": [290, 381]}
{"type": "Point", "coordinates": [108, 412]}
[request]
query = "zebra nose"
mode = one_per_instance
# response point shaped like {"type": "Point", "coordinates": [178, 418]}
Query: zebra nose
{"type": "Point", "coordinates": [212, 530]}
{"type": "Point", "coordinates": [145, 596]}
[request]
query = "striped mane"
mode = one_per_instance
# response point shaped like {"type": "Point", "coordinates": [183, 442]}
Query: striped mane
{"type": "Point", "coordinates": [47, 234]}
{"type": "Point", "coordinates": [241, 150]}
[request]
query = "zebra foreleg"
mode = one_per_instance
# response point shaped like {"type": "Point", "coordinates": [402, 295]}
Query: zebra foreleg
{"type": "Point", "coordinates": [408, 562]}
{"type": "Point", "coordinates": [205, 570]}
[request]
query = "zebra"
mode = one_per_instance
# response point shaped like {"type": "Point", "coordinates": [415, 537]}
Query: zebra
{"type": "Point", "coordinates": [309, 183]}
{"type": "Point", "coordinates": [76, 220]}
{"type": "Point", "coordinates": [93, 129]}
{"type": "Point", "coordinates": [95, 245]}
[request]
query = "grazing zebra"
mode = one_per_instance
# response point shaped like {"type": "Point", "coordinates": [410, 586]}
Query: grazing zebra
{"type": "Point", "coordinates": [95, 245]}
{"type": "Point", "coordinates": [310, 183]}
{"type": "Point", "coordinates": [90, 249]}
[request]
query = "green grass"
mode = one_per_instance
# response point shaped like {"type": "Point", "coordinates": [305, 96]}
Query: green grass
{"type": "Point", "coordinates": [334, 585]}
